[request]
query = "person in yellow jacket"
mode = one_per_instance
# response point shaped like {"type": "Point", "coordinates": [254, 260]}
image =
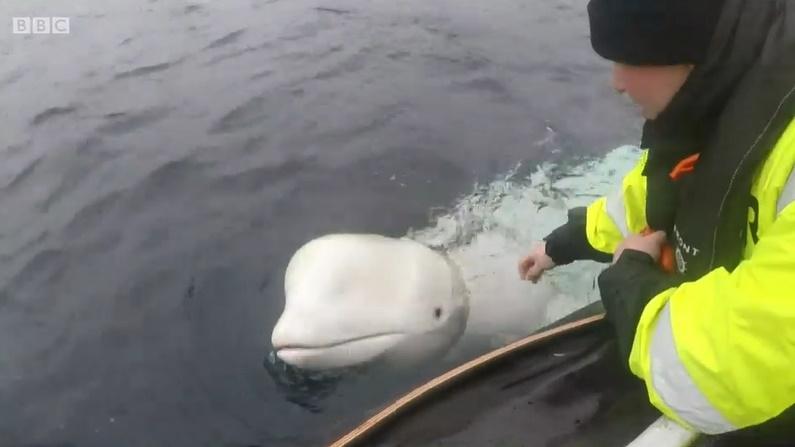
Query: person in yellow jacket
{"type": "Point", "coordinates": [713, 338]}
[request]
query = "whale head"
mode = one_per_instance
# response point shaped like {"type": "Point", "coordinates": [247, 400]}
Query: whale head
{"type": "Point", "coordinates": [353, 298]}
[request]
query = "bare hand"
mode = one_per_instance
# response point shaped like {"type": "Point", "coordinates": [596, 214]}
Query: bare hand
{"type": "Point", "coordinates": [651, 244]}
{"type": "Point", "coordinates": [532, 266]}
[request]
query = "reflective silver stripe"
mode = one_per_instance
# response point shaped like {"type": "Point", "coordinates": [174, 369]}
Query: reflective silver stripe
{"type": "Point", "coordinates": [674, 385]}
{"type": "Point", "coordinates": [664, 432]}
{"type": "Point", "coordinates": [787, 195]}
{"type": "Point", "coordinates": [616, 210]}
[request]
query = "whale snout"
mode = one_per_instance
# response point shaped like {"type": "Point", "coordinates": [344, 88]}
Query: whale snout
{"type": "Point", "coordinates": [336, 354]}
{"type": "Point", "coordinates": [351, 299]}
{"type": "Point", "coordinates": [318, 346]}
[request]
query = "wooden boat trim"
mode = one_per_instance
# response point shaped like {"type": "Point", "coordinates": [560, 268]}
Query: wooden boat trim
{"type": "Point", "coordinates": [425, 390]}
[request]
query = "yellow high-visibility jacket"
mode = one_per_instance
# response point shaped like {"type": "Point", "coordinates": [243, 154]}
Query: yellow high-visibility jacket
{"type": "Point", "coordinates": [718, 353]}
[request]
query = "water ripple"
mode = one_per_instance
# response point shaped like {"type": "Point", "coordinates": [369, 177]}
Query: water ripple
{"type": "Point", "coordinates": [347, 66]}
{"type": "Point", "coordinates": [145, 70]}
{"type": "Point", "coordinates": [51, 113]}
{"type": "Point", "coordinates": [333, 10]}
{"type": "Point", "coordinates": [226, 40]}
{"type": "Point", "coordinates": [91, 216]}
{"type": "Point", "coordinates": [12, 77]}
{"type": "Point", "coordinates": [251, 112]}
{"type": "Point", "coordinates": [121, 123]}
{"type": "Point", "coordinates": [45, 268]}
{"type": "Point", "coordinates": [20, 178]}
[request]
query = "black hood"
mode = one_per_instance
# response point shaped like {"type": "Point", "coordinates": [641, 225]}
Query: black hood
{"type": "Point", "coordinates": [731, 110]}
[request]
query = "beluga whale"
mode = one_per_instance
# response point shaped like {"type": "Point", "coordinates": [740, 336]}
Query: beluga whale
{"type": "Point", "coordinates": [352, 299]}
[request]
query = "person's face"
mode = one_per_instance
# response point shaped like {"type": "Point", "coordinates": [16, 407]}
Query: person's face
{"type": "Point", "coordinates": [650, 87]}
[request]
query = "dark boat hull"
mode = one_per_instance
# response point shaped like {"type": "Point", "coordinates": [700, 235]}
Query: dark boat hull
{"type": "Point", "coordinates": [567, 390]}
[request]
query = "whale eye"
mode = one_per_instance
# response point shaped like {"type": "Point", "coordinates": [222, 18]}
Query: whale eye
{"type": "Point", "coordinates": [437, 312]}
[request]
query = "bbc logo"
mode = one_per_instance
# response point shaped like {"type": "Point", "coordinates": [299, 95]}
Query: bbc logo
{"type": "Point", "coordinates": [40, 25]}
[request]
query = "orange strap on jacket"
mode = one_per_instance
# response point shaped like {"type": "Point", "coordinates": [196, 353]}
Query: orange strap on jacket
{"type": "Point", "coordinates": [685, 166]}
{"type": "Point", "coordinates": [667, 261]}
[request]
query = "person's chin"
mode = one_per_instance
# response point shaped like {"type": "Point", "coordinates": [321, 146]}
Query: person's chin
{"type": "Point", "coordinates": [645, 112]}
{"type": "Point", "coordinates": [648, 114]}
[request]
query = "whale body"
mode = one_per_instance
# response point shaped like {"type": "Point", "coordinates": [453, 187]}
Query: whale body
{"type": "Point", "coordinates": [354, 298]}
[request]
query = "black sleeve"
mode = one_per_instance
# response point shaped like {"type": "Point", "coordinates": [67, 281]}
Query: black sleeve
{"type": "Point", "coordinates": [569, 242]}
{"type": "Point", "coordinates": [626, 287]}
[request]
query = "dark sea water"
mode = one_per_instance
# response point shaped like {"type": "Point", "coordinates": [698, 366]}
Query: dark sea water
{"type": "Point", "coordinates": [160, 164]}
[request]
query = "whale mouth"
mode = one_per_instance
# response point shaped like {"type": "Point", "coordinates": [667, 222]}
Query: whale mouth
{"type": "Point", "coordinates": [339, 353]}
